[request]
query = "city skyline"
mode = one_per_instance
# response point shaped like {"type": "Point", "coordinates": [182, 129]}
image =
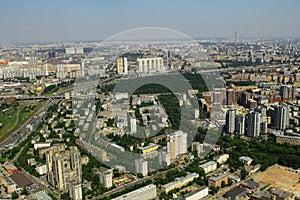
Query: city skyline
{"type": "Point", "coordinates": [37, 21]}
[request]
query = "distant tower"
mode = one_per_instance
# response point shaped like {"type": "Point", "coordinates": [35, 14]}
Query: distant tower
{"type": "Point", "coordinates": [46, 70]}
{"type": "Point", "coordinates": [122, 66]}
{"type": "Point", "coordinates": [235, 36]}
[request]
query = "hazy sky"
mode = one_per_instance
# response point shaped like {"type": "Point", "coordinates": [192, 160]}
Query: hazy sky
{"type": "Point", "coordinates": [57, 20]}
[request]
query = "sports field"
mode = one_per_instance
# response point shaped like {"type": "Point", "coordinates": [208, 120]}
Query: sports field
{"type": "Point", "coordinates": [281, 177]}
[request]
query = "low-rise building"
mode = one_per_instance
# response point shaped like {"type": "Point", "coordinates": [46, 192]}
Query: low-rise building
{"type": "Point", "coordinates": [246, 160]}
{"type": "Point", "coordinates": [217, 181]}
{"type": "Point", "coordinates": [11, 185]}
{"type": "Point", "coordinates": [146, 193]}
{"type": "Point", "coordinates": [250, 184]}
{"type": "Point", "coordinates": [179, 182]}
{"type": "Point", "coordinates": [281, 139]}
{"type": "Point", "coordinates": [221, 158]}
{"type": "Point", "coordinates": [272, 194]}
{"type": "Point", "coordinates": [209, 166]}
{"type": "Point", "coordinates": [235, 193]}
{"type": "Point", "coordinates": [31, 161]}
{"type": "Point", "coordinates": [41, 195]}
{"type": "Point", "coordinates": [10, 168]}
{"type": "Point", "coordinates": [147, 149]}
{"type": "Point", "coordinates": [41, 169]}
{"type": "Point", "coordinates": [196, 194]}
{"type": "Point", "coordinates": [41, 145]}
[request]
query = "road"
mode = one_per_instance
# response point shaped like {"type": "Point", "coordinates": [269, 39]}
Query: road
{"type": "Point", "coordinates": [152, 177]}
{"type": "Point", "coordinates": [22, 131]}
{"type": "Point", "coordinates": [42, 185]}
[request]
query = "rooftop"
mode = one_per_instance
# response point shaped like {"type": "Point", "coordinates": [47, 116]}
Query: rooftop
{"type": "Point", "coordinates": [21, 180]}
{"type": "Point", "coordinates": [250, 184]}
{"type": "Point", "coordinates": [178, 180]}
{"type": "Point", "coordinates": [238, 191]}
{"type": "Point", "coordinates": [207, 164]}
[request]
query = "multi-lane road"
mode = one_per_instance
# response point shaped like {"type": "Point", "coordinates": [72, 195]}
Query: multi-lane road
{"type": "Point", "coordinates": [17, 136]}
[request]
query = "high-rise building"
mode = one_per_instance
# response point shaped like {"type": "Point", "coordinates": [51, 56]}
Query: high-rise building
{"type": "Point", "coordinates": [231, 97]}
{"type": "Point", "coordinates": [141, 166]}
{"type": "Point", "coordinates": [240, 124]}
{"type": "Point", "coordinates": [133, 127]}
{"type": "Point", "coordinates": [76, 165]}
{"type": "Point", "coordinates": [60, 171]}
{"type": "Point", "coordinates": [164, 158]}
{"type": "Point", "coordinates": [75, 190]}
{"type": "Point", "coordinates": [51, 54]}
{"type": "Point", "coordinates": [46, 70]}
{"type": "Point", "coordinates": [263, 120]}
{"type": "Point", "coordinates": [196, 146]}
{"type": "Point", "coordinates": [74, 50]}
{"type": "Point", "coordinates": [106, 178]}
{"type": "Point", "coordinates": [218, 99]}
{"type": "Point", "coordinates": [288, 92]}
{"type": "Point", "coordinates": [33, 61]}
{"type": "Point", "coordinates": [61, 73]}
{"type": "Point", "coordinates": [146, 65]}
{"type": "Point", "coordinates": [122, 65]}
{"type": "Point", "coordinates": [176, 144]}
{"type": "Point", "coordinates": [196, 113]}
{"type": "Point", "coordinates": [281, 117]}
{"type": "Point", "coordinates": [230, 120]}
{"type": "Point", "coordinates": [253, 124]}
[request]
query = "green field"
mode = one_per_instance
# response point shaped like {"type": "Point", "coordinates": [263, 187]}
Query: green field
{"type": "Point", "coordinates": [14, 114]}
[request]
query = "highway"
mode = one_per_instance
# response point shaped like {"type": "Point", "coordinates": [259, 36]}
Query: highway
{"type": "Point", "coordinates": [20, 133]}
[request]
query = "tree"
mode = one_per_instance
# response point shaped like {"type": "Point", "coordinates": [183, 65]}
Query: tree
{"type": "Point", "coordinates": [24, 191]}
{"type": "Point", "coordinates": [244, 173]}
{"type": "Point", "coordinates": [214, 190]}
{"type": "Point", "coordinates": [139, 175]}
{"type": "Point", "coordinates": [223, 184]}
{"type": "Point", "coordinates": [14, 195]}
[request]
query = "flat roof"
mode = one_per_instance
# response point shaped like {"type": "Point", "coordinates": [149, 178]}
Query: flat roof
{"type": "Point", "coordinates": [247, 158]}
{"type": "Point", "coordinates": [21, 179]}
{"type": "Point", "coordinates": [195, 191]}
{"type": "Point", "coordinates": [215, 178]}
{"type": "Point", "coordinates": [235, 192]}
{"type": "Point", "coordinates": [137, 191]}
{"type": "Point", "coordinates": [207, 164]}
{"type": "Point", "coordinates": [178, 180]}
{"type": "Point", "coordinates": [41, 195]}
{"type": "Point", "coordinates": [9, 166]}
{"type": "Point", "coordinates": [276, 134]}
{"type": "Point", "coordinates": [250, 184]}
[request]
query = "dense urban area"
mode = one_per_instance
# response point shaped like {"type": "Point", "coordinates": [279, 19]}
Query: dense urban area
{"type": "Point", "coordinates": [67, 133]}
